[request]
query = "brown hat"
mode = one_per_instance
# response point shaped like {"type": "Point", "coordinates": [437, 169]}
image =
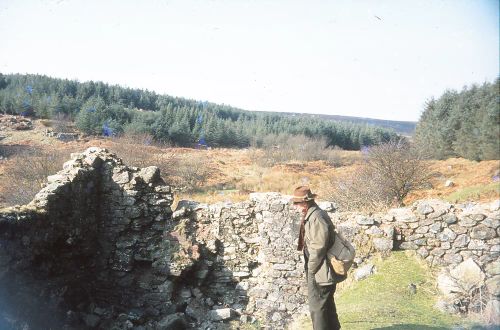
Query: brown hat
{"type": "Point", "coordinates": [303, 194]}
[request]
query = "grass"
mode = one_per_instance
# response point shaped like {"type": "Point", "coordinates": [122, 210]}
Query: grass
{"type": "Point", "coordinates": [474, 192]}
{"type": "Point", "coordinates": [384, 300]}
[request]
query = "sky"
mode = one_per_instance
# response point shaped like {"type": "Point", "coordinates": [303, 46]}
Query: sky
{"type": "Point", "coordinates": [376, 59]}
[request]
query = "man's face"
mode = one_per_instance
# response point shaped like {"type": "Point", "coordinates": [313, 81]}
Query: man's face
{"type": "Point", "coordinates": [300, 207]}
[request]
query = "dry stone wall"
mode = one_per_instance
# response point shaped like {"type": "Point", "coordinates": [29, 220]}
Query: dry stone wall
{"type": "Point", "coordinates": [99, 247]}
{"type": "Point", "coordinates": [87, 249]}
{"type": "Point", "coordinates": [444, 235]}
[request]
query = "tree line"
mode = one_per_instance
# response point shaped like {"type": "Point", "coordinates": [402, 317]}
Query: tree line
{"type": "Point", "coordinates": [99, 108]}
{"type": "Point", "coordinates": [462, 123]}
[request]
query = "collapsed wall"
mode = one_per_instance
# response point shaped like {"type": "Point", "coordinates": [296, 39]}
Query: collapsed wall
{"type": "Point", "coordinates": [99, 247]}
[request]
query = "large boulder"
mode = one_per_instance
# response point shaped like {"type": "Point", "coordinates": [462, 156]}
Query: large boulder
{"type": "Point", "coordinates": [468, 275]}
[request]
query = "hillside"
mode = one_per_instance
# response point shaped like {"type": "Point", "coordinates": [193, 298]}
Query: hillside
{"type": "Point", "coordinates": [406, 128]}
{"type": "Point", "coordinates": [222, 174]}
{"type": "Point", "coordinates": [101, 109]}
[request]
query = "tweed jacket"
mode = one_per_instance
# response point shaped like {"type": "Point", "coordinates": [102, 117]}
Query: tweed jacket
{"type": "Point", "coordinates": [318, 235]}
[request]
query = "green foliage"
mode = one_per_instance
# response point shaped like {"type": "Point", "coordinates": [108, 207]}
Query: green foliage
{"type": "Point", "coordinates": [465, 124]}
{"type": "Point", "coordinates": [172, 120]}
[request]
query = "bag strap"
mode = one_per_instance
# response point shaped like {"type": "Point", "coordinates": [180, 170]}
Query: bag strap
{"type": "Point", "coordinates": [332, 235]}
{"type": "Point", "coordinates": [316, 209]}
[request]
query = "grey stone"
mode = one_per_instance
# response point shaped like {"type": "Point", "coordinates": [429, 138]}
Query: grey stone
{"type": "Point", "coordinates": [446, 245]}
{"type": "Point", "coordinates": [422, 230]}
{"type": "Point", "coordinates": [435, 228]}
{"type": "Point", "coordinates": [364, 272]}
{"type": "Point", "coordinates": [196, 310]}
{"type": "Point", "coordinates": [327, 206]}
{"type": "Point", "coordinates": [362, 220]}
{"type": "Point", "coordinates": [383, 244]}
{"type": "Point", "coordinates": [467, 222]}
{"type": "Point", "coordinates": [447, 235]}
{"type": "Point", "coordinates": [202, 273]}
{"type": "Point", "coordinates": [388, 230]}
{"type": "Point", "coordinates": [447, 284]}
{"type": "Point", "coordinates": [491, 223]}
{"type": "Point", "coordinates": [91, 320]}
{"type": "Point", "coordinates": [420, 241]}
{"type": "Point", "coordinates": [476, 216]}
{"type": "Point", "coordinates": [493, 268]}
{"type": "Point", "coordinates": [276, 317]}
{"type": "Point", "coordinates": [241, 274]}
{"type": "Point", "coordinates": [457, 229]}
{"type": "Point", "coordinates": [482, 232]}
{"type": "Point", "coordinates": [133, 212]}
{"type": "Point", "coordinates": [175, 321]}
{"type": "Point", "coordinates": [166, 288]}
{"type": "Point", "coordinates": [437, 252]}
{"type": "Point", "coordinates": [408, 246]}
{"type": "Point", "coordinates": [374, 231]}
{"type": "Point", "coordinates": [452, 258]}
{"type": "Point", "coordinates": [150, 174]}
{"type": "Point", "coordinates": [403, 215]}
{"type": "Point", "coordinates": [476, 244]}
{"type": "Point", "coordinates": [424, 208]}
{"type": "Point", "coordinates": [461, 241]}
{"type": "Point", "coordinates": [469, 274]}
{"type": "Point", "coordinates": [448, 308]}
{"type": "Point", "coordinates": [492, 312]}
{"type": "Point", "coordinates": [450, 218]}
{"type": "Point", "coordinates": [423, 252]}
{"type": "Point", "coordinates": [121, 178]}
{"type": "Point", "coordinates": [493, 285]}
{"type": "Point", "coordinates": [220, 314]}
{"type": "Point", "coordinates": [283, 267]}
{"type": "Point", "coordinates": [126, 242]}
{"type": "Point", "coordinates": [495, 205]}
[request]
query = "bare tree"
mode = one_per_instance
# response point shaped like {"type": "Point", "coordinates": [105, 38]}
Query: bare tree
{"type": "Point", "coordinates": [398, 168]}
{"type": "Point", "coordinates": [390, 171]}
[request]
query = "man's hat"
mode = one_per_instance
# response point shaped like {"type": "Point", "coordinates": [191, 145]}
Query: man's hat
{"type": "Point", "coordinates": [303, 194]}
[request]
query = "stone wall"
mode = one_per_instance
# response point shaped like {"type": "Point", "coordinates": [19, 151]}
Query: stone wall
{"type": "Point", "coordinates": [88, 248]}
{"type": "Point", "coordinates": [99, 247]}
{"type": "Point", "coordinates": [260, 238]}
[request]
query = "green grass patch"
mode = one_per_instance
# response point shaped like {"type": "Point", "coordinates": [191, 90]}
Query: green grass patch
{"type": "Point", "coordinates": [385, 301]}
{"type": "Point", "coordinates": [474, 192]}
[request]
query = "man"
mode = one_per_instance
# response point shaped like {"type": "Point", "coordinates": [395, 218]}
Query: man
{"type": "Point", "coordinates": [315, 238]}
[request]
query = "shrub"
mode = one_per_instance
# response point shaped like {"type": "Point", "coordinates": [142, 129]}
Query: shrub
{"type": "Point", "coordinates": [191, 173]}
{"type": "Point", "coordinates": [27, 172]}
{"type": "Point", "coordinates": [390, 171]}
{"type": "Point", "coordinates": [285, 148]}
{"type": "Point", "coordinates": [138, 150]}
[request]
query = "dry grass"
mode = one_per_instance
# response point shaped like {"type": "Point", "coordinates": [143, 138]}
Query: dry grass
{"type": "Point", "coordinates": [231, 174]}
{"type": "Point", "coordinates": [25, 173]}
{"type": "Point", "coordinates": [466, 174]}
